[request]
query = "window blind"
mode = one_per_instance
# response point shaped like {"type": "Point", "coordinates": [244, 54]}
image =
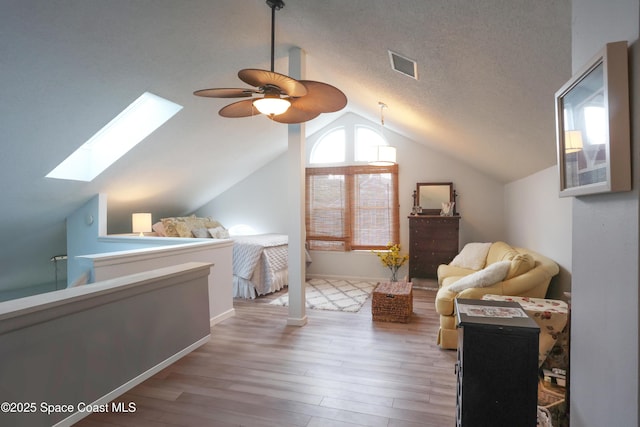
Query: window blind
{"type": "Point", "coordinates": [352, 207]}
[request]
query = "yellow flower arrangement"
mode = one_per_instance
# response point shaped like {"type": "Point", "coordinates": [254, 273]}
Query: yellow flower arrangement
{"type": "Point", "coordinates": [392, 259]}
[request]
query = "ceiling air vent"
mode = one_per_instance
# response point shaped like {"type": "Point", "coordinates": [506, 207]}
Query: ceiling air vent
{"type": "Point", "coordinates": [403, 65]}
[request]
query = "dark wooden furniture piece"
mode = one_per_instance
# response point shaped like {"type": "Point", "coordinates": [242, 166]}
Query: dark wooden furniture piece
{"type": "Point", "coordinates": [497, 366]}
{"type": "Point", "coordinates": [433, 240]}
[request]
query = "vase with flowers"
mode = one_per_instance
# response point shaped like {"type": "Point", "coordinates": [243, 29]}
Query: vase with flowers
{"type": "Point", "coordinates": [392, 259]}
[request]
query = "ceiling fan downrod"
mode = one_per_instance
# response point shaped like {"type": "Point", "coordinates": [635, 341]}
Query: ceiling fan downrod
{"type": "Point", "coordinates": [274, 5]}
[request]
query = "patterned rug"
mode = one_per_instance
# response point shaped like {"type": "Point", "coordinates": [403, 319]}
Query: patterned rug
{"type": "Point", "coordinates": [333, 294]}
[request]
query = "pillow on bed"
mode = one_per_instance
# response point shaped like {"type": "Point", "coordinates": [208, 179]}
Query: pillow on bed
{"type": "Point", "coordinates": [183, 226]}
{"type": "Point", "coordinates": [169, 226]}
{"type": "Point", "coordinates": [159, 229]}
{"type": "Point", "coordinates": [219, 232]}
{"type": "Point", "coordinates": [200, 233]}
{"type": "Point", "coordinates": [491, 275]}
{"type": "Point", "coordinates": [211, 223]}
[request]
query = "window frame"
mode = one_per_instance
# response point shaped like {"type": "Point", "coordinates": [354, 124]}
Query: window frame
{"type": "Point", "coordinates": [349, 209]}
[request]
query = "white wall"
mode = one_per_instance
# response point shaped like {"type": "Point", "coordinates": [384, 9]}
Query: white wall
{"type": "Point", "coordinates": [604, 341]}
{"type": "Point", "coordinates": [537, 219]}
{"type": "Point", "coordinates": [261, 201]}
{"type": "Point", "coordinates": [595, 240]}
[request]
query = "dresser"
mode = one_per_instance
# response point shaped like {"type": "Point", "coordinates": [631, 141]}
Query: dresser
{"type": "Point", "coordinates": [497, 367]}
{"type": "Point", "coordinates": [433, 240]}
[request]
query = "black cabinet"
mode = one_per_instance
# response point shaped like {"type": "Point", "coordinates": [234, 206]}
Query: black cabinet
{"type": "Point", "coordinates": [497, 365]}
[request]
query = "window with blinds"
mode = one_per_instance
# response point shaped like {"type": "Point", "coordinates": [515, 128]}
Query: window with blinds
{"type": "Point", "coordinates": [352, 207]}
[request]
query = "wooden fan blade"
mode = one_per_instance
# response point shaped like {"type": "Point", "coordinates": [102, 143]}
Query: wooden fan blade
{"type": "Point", "coordinates": [320, 97]}
{"type": "Point", "coordinates": [243, 108]}
{"type": "Point", "coordinates": [295, 115]}
{"type": "Point", "coordinates": [225, 92]}
{"type": "Point", "coordinates": [261, 78]}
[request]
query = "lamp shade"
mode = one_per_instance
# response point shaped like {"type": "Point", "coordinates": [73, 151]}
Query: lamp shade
{"type": "Point", "coordinates": [271, 106]}
{"type": "Point", "coordinates": [141, 223]}
{"type": "Point", "coordinates": [386, 156]}
{"type": "Point", "coordinates": [572, 141]}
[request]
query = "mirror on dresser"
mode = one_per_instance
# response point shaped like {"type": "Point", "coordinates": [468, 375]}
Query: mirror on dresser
{"type": "Point", "coordinates": [431, 195]}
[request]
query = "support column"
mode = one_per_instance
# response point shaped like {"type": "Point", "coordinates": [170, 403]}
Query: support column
{"type": "Point", "coordinates": [296, 163]}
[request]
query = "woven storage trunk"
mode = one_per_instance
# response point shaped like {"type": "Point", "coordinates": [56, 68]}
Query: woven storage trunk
{"type": "Point", "coordinates": [392, 302]}
{"type": "Point", "coordinates": [551, 398]}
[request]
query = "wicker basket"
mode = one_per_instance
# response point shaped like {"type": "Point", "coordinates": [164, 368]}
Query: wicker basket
{"type": "Point", "coordinates": [392, 302]}
{"type": "Point", "coordinates": [552, 399]}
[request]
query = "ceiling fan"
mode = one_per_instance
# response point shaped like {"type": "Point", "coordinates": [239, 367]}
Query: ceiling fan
{"type": "Point", "coordinates": [283, 99]}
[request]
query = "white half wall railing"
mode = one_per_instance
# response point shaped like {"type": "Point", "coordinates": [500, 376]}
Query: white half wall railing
{"type": "Point", "coordinates": [219, 253]}
{"type": "Point", "coordinates": [67, 352]}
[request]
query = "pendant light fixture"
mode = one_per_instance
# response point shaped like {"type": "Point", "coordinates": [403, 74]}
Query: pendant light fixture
{"type": "Point", "coordinates": [385, 154]}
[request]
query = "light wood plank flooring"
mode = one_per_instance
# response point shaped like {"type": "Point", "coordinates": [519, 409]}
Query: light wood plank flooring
{"type": "Point", "coordinates": [341, 369]}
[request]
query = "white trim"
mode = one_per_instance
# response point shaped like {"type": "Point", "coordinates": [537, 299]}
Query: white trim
{"type": "Point", "coordinates": [222, 316]}
{"type": "Point", "coordinates": [77, 416]}
{"type": "Point", "coordinates": [297, 322]}
{"type": "Point", "coordinates": [142, 254]}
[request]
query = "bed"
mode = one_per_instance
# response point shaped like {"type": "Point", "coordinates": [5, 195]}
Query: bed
{"type": "Point", "coordinates": [260, 262]}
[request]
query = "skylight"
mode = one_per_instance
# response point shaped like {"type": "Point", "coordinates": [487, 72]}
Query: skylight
{"type": "Point", "coordinates": [130, 127]}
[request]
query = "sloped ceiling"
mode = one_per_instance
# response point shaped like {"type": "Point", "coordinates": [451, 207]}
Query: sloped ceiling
{"type": "Point", "coordinates": [487, 74]}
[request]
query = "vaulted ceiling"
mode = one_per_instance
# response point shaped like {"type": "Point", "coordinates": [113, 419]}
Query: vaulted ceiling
{"type": "Point", "coordinates": [488, 70]}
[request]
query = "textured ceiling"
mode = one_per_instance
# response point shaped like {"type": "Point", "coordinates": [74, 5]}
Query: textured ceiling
{"type": "Point", "coordinates": [487, 74]}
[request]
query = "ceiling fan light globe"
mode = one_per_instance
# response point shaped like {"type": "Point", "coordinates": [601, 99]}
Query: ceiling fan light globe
{"type": "Point", "coordinates": [271, 106]}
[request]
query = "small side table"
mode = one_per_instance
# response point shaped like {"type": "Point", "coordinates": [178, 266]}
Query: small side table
{"type": "Point", "coordinates": [497, 366]}
{"type": "Point", "coordinates": [392, 302]}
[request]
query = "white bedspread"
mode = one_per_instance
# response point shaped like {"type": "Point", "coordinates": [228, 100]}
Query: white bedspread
{"type": "Point", "coordinates": [247, 251]}
{"type": "Point", "coordinates": [259, 264]}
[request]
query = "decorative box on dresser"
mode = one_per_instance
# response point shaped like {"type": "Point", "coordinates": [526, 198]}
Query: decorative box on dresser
{"type": "Point", "coordinates": [433, 240]}
{"type": "Point", "coordinates": [497, 367]}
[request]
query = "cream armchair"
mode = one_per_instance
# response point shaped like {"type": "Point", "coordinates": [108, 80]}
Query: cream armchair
{"type": "Point", "coordinates": [529, 275]}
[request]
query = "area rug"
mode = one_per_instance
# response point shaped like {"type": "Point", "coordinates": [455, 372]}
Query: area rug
{"type": "Point", "coordinates": [333, 294]}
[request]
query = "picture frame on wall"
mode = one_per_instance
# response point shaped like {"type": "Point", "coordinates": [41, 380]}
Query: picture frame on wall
{"type": "Point", "coordinates": [593, 133]}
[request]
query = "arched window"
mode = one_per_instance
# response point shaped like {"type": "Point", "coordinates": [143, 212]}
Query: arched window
{"type": "Point", "coordinates": [350, 206]}
{"type": "Point", "coordinates": [330, 148]}
{"type": "Point", "coordinates": [366, 144]}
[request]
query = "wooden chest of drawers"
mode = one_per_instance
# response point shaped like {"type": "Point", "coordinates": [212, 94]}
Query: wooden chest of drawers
{"type": "Point", "coordinates": [433, 240]}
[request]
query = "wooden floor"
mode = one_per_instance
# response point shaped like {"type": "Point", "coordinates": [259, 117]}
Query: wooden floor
{"type": "Point", "coordinates": [341, 369]}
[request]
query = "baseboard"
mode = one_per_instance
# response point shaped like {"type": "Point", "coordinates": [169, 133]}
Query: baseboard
{"type": "Point", "coordinates": [104, 400]}
{"type": "Point", "coordinates": [297, 321]}
{"type": "Point", "coordinates": [223, 316]}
